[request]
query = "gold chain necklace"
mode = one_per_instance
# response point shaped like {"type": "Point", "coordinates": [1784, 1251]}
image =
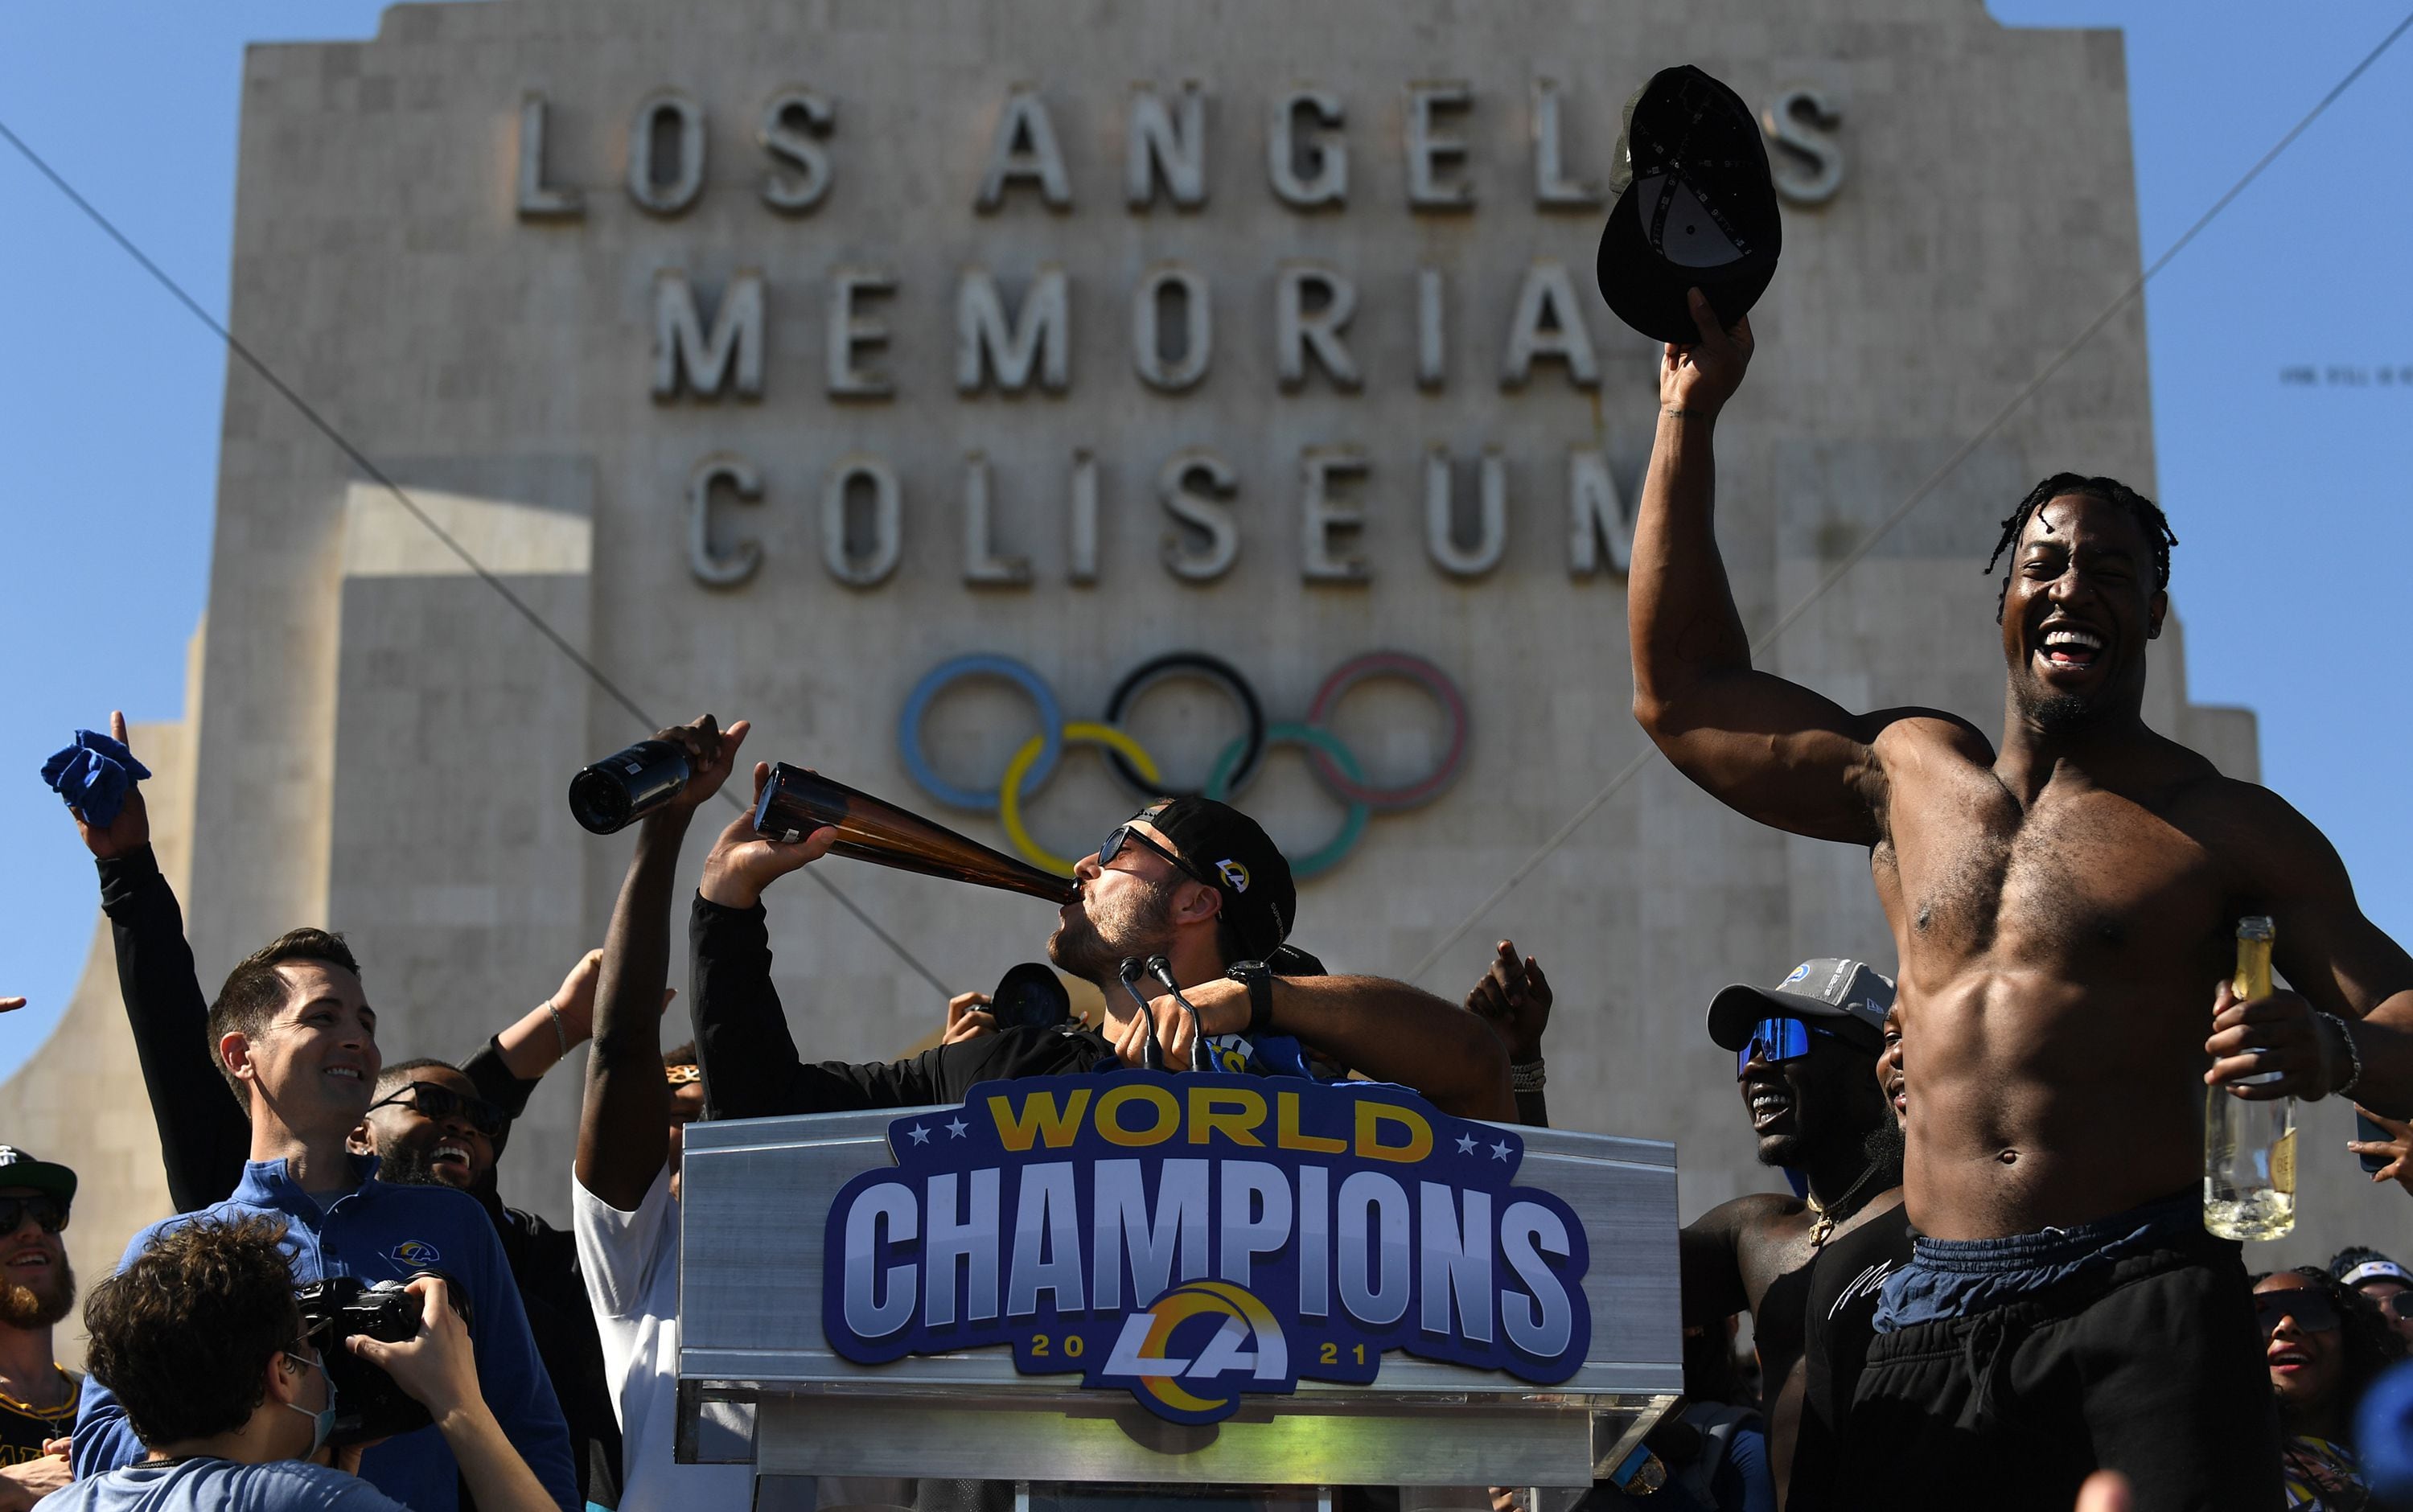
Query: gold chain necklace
{"type": "Point", "coordinates": [1822, 1227]}
{"type": "Point", "coordinates": [29, 1410]}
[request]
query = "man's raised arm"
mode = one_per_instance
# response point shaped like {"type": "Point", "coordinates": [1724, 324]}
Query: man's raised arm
{"type": "Point", "coordinates": [1770, 748]}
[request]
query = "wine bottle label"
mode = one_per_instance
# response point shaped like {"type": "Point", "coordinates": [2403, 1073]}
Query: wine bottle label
{"type": "Point", "coordinates": [789, 838]}
{"type": "Point", "coordinates": [2283, 1164]}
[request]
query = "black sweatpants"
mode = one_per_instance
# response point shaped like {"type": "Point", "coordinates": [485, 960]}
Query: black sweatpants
{"type": "Point", "coordinates": [2153, 1369]}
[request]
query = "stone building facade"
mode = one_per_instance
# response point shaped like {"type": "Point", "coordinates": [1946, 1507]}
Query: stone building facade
{"type": "Point", "coordinates": [776, 354]}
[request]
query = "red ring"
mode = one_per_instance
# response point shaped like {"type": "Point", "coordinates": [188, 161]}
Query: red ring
{"type": "Point", "coordinates": [1389, 664]}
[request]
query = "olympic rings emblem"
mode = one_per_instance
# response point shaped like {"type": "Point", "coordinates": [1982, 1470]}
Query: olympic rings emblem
{"type": "Point", "coordinates": [1336, 767]}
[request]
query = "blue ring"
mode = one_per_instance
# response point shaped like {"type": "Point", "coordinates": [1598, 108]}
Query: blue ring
{"type": "Point", "coordinates": [917, 703]}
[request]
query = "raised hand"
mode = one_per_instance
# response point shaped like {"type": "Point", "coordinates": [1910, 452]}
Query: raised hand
{"type": "Point", "coordinates": [1513, 997]}
{"type": "Point", "coordinates": [130, 831]}
{"type": "Point", "coordinates": [1698, 377]}
{"type": "Point", "coordinates": [711, 756]}
{"type": "Point", "coordinates": [743, 863]}
{"type": "Point", "coordinates": [2396, 1147]}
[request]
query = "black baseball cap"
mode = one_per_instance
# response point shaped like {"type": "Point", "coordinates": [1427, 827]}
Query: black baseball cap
{"type": "Point", "coordinates": [1232, 852]}
{"type": "Point", "coordinates": [19, 1169]}
{"type": "Point", "coordinates": [1695, 208]}
{"type": "Point", "coordinates": [1828, 987]}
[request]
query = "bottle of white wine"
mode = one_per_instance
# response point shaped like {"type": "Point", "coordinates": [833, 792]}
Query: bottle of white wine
{"type": "Point", "coordinates": [2249, 1148]}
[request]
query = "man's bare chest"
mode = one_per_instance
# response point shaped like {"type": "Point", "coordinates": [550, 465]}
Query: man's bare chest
{"type": "Point", "coordinates": [2077, 872]}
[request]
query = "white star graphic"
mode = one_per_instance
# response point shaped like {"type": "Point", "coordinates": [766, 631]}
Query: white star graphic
{"type": "Point", "coordinates": [921, 1136]}
{"type": "Point", "coordinates": [1466, 1143]}
{"type": "Point", "coordinates": [957, 1128]}
{"type": "Point", "coordinates": [1499, 1151]}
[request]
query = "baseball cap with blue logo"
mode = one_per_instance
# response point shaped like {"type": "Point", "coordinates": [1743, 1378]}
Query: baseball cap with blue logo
{"type": "Point", "coordinates": [1232, 853]}
{"type": "Point", "coordinates": [1828, 987]}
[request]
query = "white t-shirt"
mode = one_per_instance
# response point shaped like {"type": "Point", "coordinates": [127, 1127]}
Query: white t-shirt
{"type": "Point", "coordinates": [631, 1262]}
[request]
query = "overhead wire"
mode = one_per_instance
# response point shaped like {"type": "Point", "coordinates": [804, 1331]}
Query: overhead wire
{"type": "Point", "coordinates": [1918, 496]}
{"type": "Point", "coordinates": [361, 460]}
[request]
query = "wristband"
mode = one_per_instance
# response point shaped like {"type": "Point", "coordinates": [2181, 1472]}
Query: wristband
{"type": "Point", "coordinates": [1259, 979]}
{"type": "Point", "coordinates": [2353, 1055]}
{"type": "Point", "coordinates": [560, 1035]}
{"type": "Point", "coordinates": [1527, 1075]}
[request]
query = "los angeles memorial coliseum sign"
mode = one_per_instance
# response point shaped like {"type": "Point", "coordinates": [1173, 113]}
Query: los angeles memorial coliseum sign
{"type": "Point", "coordinates": [1312, 322]}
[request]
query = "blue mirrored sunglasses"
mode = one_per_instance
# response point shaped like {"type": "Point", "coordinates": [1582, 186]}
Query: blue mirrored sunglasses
{"type": "Point", "coordinates": [1777, 1040]}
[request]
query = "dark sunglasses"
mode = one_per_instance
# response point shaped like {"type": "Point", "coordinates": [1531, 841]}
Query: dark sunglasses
{"type": "Point", "coordinates": [1777, 1040]}
{"type": "Point", "coordinates": [440, 1102]}
{"type": "Point", "coordinates": [2398, 1305]}
{"type": "Point", "coordinates": [2310, 1309]}
{"type": "Point", "coordinates": [48, 1212]}
{"type": "Point", "coordinates": [1124, 834]}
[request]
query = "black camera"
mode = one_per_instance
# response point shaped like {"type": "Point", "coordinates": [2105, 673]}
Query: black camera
{"type": "Point", "coordinates": [368, 1404]}
{"type": "Point", "coordinates": [1031, 996]}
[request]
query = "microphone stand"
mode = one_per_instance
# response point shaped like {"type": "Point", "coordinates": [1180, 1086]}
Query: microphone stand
{"type": "Point", "coordinates": [1151, 1055]}
{"type": "Point", "coordinates": [1162, 968]}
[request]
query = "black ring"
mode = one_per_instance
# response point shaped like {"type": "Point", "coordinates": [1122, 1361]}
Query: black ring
{"type": "Point", "coordinates": [1207, 668]}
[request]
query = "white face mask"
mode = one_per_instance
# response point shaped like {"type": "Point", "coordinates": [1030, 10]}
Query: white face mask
{"type": "Point", "coordinates": [323, 1422]}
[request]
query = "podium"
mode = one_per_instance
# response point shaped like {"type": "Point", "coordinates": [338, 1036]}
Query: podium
{"type": "Point", "coordinates": [758, 1195]}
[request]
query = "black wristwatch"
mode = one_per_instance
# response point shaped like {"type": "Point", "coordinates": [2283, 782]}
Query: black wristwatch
{"type": "Point", "coordinates": [1259, 979]}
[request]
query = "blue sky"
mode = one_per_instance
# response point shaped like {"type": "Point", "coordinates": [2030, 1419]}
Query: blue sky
{"type": "Point", "coordinates": [2285, 459]}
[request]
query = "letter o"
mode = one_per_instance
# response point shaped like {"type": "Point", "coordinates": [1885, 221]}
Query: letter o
{"type": "Point", "coordinates": [654, 194]}
{"type": "Point", "coordinates": [1168, 1114]}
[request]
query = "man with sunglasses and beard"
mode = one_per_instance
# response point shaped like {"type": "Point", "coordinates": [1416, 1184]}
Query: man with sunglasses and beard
{"type": "Point", "coordinates": [37, 1288]}
{"type": "Point", "coordinates": [1805, 1064]}
{"type": "Point", "coordinates": [1189, 878]}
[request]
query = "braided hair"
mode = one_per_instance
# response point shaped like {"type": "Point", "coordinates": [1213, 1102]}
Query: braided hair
{"type": "Point", "coordinates": [2147, 515]}
{"type": "Point", "coordinates": [2372, 1343]}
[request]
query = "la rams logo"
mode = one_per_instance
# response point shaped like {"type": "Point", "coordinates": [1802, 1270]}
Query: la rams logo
{"type": "Point", "coordinates": [1234, 873]}
{"type": "Point", "coordinates": [416, 1254]}
{"type": "Point", "coordinates": [1196, 1348]}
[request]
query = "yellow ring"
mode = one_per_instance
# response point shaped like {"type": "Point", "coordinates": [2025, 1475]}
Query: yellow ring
{"type": "Point", "coordinates": [1008, 794]}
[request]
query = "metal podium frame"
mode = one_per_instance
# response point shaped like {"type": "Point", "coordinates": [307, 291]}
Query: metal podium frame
{"type": "Point", "coordinates": [755, 1195]}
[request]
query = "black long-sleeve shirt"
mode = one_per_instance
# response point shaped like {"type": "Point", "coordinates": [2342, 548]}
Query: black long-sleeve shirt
{"type": "Point", "coordinates": [205, 1138]}
{"type": "Point", "coordinates": [748, 1060]}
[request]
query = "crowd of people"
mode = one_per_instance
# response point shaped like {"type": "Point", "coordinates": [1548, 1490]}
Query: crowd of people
{"type": "Point", "coordinates": [1991, 1280]}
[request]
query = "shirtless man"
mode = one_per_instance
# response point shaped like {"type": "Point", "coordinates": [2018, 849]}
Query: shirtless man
{"type": "Point", "coordinates": [2063, 906]}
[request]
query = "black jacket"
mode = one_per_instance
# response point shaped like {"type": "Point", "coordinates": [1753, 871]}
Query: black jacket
{"type": "Point", "coordinates": [205, 1138]}
{"type": "Point", "coordinates": [748, 1060]}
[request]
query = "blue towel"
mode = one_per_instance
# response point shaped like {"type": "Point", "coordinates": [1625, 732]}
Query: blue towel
{"type": "Point", "coordinates": [94, 775]}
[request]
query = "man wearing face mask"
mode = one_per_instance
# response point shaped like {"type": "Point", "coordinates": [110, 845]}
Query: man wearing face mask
{"type": "Point", "coordinates": [1189, 878]}
{"type": "Point", "coordinates": [1806, 1053]}
{"type": "Point", "coordinates": [295, 1038]}
{"type": "Point", "coordinates": [199, 1338]}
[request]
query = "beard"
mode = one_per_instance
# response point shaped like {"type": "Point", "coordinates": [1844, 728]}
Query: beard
{"type": "Point", "coordinates": [2064, 713]}
{"type": "Point", "coordinates": [1093, 945]}
{"type": "Point", "coordinates": [1885, 1147]}
{"type": "Point", "coordinates": [24, 1307]}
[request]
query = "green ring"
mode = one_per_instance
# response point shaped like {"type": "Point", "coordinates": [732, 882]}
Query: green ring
{"type": "Point", "coordinates": [1316, 863]}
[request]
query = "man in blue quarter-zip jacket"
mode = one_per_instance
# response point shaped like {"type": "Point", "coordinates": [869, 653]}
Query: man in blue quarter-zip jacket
{"type": "Point", "coordinates": [294, 1035]}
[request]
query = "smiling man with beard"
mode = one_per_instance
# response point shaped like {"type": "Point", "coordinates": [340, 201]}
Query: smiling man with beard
{"type": "Point", "coordinates": [37, 1288]}
{"type": "Point", "coordinates": [1191, 879]}
{"type": "Point", "coordinates": [2063, 903]}
{"type": "Point", "coordinates": [1805, 1064]}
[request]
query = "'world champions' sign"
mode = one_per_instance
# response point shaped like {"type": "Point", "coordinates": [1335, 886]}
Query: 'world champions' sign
{"type": "Point", "coordinates": [1189, 1238]}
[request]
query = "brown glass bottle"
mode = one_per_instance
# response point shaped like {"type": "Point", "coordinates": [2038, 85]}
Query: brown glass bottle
{"type": "Point", "coordinates": [796, 803]}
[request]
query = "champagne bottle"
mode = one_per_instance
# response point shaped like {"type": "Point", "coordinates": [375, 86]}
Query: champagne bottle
{"type": "Point", "coordinates": [796, 802]}
{"type": "Point", "coordinates": [2249, 1148]}
{"type": "Point", "coordinates": [624, 787]}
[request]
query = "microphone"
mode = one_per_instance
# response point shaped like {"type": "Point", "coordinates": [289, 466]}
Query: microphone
{"type": "Point", "coordinates": [1162, 968]}
{"type": "Point", "coordinates": [1151, 1055]}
